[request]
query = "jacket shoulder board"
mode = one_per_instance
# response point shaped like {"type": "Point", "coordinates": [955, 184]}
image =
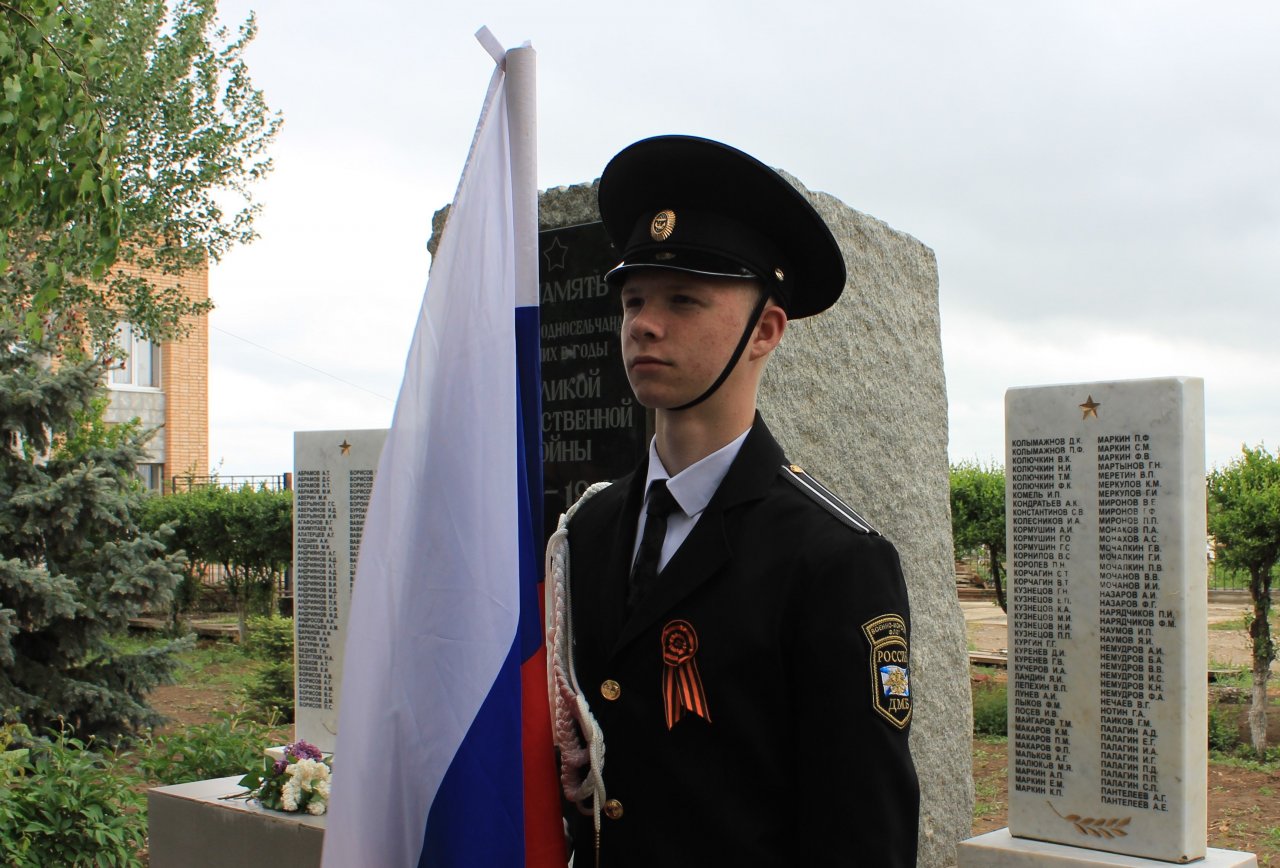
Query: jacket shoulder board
{"type": "Point", "coordinates": [823, 496]}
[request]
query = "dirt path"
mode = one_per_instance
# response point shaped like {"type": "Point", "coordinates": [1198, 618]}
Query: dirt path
{"type": "Point", "coordinates": [200, 695]}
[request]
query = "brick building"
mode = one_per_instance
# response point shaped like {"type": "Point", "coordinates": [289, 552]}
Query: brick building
{"type": "Point", "coordinates": [167, 387]}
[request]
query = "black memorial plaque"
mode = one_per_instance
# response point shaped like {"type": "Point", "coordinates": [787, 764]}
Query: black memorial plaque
{"type": "Point", "coordinates": [592, 428]}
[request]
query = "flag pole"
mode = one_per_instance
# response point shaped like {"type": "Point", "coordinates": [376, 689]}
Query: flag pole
{"type": "Point", "coordinates": [544, 839]}
{"type": "Point", "coordinates": [522, 119]}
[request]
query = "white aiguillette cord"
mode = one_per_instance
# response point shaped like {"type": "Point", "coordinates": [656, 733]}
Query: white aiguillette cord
{"type": "Point", "coordinates": [571, 717]}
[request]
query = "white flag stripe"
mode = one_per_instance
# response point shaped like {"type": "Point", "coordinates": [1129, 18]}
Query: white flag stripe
{"type": "Point", "coordinates": [436, 601]}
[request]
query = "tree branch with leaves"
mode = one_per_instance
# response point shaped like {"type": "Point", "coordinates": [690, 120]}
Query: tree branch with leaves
{"type": "Point", "coordinates": [131, 135]}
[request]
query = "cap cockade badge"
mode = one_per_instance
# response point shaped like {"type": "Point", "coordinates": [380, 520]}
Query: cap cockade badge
{"type": "Point", "coordinates": [664, 223]}
{"type": "Point", "coordinates": [890, 671]}
{"type": "Point", "coordinates": [681, 683]}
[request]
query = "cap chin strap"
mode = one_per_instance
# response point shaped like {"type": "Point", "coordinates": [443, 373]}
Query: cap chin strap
{"type": "Point", "coordinates": [752, 322]}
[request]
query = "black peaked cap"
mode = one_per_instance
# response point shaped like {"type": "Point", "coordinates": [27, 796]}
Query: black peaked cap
{"type": "Point", "coordinates": [698, 205]}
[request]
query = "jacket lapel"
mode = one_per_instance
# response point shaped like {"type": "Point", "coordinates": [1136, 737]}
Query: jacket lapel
{"type": "Point", "coordinates": [707, 547]}
{"type": "Point", "coordinates": [599, 600]}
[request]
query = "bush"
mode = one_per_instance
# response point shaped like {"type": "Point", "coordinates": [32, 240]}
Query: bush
{"type": "Point", "coordinates": [991, 708]}
{"type": "Point", "coordinates": [271, 639]}
{"type": "Point", "coordinates": [213, 750]}
{"type": "Point", "coordinates": [1223, 734]}
{"type": "Point", "coordinates": [62, 803]}
{"type": "Point", "coordinates": [270, 689]}
{"type": "Point", "coordinates": [270, 692]}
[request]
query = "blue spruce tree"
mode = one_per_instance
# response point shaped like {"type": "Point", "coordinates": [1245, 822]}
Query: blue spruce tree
{"type": "Point", "coordinates": [74, 564]}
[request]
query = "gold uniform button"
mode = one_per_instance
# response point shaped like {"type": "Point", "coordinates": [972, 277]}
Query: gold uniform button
{"type": "Point", "coordinates": [613, 809]}
{"type": "Point", "coordinates": [611, 690]}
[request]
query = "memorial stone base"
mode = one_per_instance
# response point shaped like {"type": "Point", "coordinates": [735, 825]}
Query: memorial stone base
{"type": "Point", "coordinates": [999, 849]}
{"type": "Point", "coordinates": [191, 826]}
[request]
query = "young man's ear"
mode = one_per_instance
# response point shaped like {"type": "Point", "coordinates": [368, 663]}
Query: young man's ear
{"type": "Point", "coordinates": [769, 330]}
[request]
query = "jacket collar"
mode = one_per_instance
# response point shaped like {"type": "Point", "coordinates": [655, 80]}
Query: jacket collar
{"type": "Point", "coordinates": [708, 545]}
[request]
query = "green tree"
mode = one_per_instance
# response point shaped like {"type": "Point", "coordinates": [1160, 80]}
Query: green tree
{"type": "Point", "coordinates": [248, 532]}
{"type": "Point", "coordinates": [130, 132]}
{"type": "Point", "coordinates": [1244, 518]}
{"type": "Point", "coordinates": [61, 181]}
{"type": "Point", "coordinates": [977, 514]}
{"type": "Point", "coordinates": [74, 565]}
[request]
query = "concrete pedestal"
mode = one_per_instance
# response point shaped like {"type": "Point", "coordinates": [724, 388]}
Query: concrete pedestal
{"type": "Point", "coordinates": [999, 849]}
{"type": "Point", "coordinates": [190, 826]}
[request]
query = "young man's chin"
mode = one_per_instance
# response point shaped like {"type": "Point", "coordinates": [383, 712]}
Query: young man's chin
{"type": "Point", "coordinates": [649, 395]}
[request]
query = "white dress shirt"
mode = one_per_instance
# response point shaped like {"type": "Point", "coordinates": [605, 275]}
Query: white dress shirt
{"type": "Point", "coordinates": [692, 489]}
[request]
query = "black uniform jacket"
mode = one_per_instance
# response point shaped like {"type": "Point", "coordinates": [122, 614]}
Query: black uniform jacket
{"type": "Point", "coordinates": [798, 760]}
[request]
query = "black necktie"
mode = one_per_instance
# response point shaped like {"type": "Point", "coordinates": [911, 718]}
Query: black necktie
{"type": "Point", "coordinates": [645, 571]}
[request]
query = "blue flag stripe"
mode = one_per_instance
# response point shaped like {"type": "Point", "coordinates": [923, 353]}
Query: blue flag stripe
{"type": "Point", "coordinates": [529, 385]}
{"type": "Point", "coordinates": [477, 817]}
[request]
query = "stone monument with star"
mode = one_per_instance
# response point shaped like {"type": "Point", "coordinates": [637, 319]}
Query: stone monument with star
{"type": "Point", "coordinates": [333, 477]}
{"type": "Point", "coordinates": [1105, 519]}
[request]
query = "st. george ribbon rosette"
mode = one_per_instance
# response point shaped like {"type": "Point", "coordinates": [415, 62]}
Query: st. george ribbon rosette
{"type": "Point", "coordinates": [681, 684]}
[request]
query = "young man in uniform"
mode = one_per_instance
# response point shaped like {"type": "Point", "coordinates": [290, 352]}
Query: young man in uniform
{"type": "Point", "coordinates": [740, 635]}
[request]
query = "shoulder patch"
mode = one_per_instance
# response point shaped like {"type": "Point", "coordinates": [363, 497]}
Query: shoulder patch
{"type": "Point", "coordinates": [890, 669]}
{"type": "Point", "coordinates": [818, 492]}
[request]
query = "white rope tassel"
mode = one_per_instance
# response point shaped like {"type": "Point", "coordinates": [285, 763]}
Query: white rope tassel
{"type": "Point", "coordinates": [573, 727]}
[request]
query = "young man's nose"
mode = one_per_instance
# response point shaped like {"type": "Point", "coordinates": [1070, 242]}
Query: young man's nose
{"type": "Point", "coordinates": [646, 322]}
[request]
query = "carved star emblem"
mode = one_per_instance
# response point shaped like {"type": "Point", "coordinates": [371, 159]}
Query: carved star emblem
{"type": "Point", "coordinates": [345, 446]}
{"type": "Point", "coordinates": [1089, 408]}
{"type": "Point", "coordinates": [555, 254]}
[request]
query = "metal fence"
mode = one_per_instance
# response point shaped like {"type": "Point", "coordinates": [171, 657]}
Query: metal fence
{"type": "Point", "coordinates": [1223, 579]}
{"type": "Point", "coordinates": [271, 482]}
{"type": "Point", "coordinates": [215, 576]}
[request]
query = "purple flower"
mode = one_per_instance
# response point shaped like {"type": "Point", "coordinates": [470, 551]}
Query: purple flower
{"type": "Point", "coordinates": [279, 766]}
{"type": "Point", "coordinates": [302, 750]}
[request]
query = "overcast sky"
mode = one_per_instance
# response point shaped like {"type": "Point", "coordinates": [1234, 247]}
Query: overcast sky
{"type": "Point", "coordinates": [1100, 181]}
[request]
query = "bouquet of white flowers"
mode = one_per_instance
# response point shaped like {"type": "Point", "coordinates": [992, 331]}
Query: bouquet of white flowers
{"type": "Point", "coordinates": [299, 781]}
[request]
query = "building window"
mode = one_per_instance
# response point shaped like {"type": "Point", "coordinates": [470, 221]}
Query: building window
{"type": "Point", "coordinates": [152, 476]}
{"type": "Point", "coordinates": [140, 365]}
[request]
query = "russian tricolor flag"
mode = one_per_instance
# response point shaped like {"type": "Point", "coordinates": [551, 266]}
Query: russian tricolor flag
{"type": "Point", "coordinates": [444, 752]}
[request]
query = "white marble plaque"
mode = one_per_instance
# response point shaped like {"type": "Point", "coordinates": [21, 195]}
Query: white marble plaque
{"type": "Point", "coordinates": [1105, 517]}
{"type": "Point", "coordinates": [333, 474]}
